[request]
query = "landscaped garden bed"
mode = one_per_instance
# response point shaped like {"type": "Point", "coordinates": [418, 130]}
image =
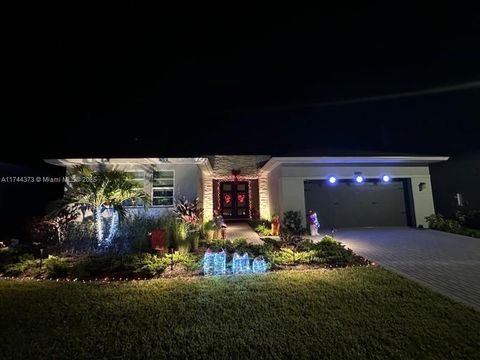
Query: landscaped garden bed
{"type": "Point", "coordinates": [326, 253]}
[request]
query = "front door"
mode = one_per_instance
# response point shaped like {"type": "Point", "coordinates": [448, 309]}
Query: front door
{"type": "Point", "coordinates": [234, 199]}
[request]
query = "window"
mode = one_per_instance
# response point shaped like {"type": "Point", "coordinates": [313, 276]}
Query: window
{"type": "Point", "coordinates": [162, 189]}
{"type": "Point", "coordinates": [138, 177]}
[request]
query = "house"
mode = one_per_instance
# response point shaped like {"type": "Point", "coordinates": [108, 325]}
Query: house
{"type": "Point", "coordinates": [344, 191]}
{"type": "Point", "coordinates": [455, 184]}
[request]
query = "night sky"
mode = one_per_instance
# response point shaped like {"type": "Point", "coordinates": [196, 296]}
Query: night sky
{"type": "Point", "coordinates": [197, 80]}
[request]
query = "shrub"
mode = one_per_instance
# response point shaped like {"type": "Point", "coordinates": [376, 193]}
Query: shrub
{"type": "Point", "coordinates": [472, 219]}
{"type": "Point", "coordinates": [176, 232]}
{"type": "Point", "coordinates": [26, 265]}
{"type": "Point", "coordinates": [188, 211]}
{"type": "Point", "coordinates": [438, 222]}
{"type": "Point", "coordinates": [96, 266]}
{"type": "Point", "coordinates": [149, 265]}
{"type": "Point", "coordinates": [191, 262]}
{"type": "Point", "coordinates": [194, 238]}
{"type": "Point", "coordinates": [325, 252]}
{"type": "Point", "coordinates": [271, 244]}
{"type": "Point", "coordinates": [254, 223]}
{"type": "Point", "coordinates": [263, 230]}
{"type": "Point", "coordinates": [134, 232]}
{"type": "Point", "coordinates": [293, 223]}
{"type": "Point", "coordinates": [80, 236]}
{"type": "Point", "coordinates": [56, 266]}
{"type": "Point", "coordinates": [292, 228]}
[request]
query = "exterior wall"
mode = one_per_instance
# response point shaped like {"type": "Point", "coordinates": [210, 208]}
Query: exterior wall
{"type": "Point", "coordinates": [254, 197]}
{"type": "Point", "coordinates": [186, 183]}
{"type": "Point", "coordinates": [422, 200]}
{"type": "Point", "coordinates": [292, 196]}
{"type": "Point", "coordinates": [274, 191]}
{"type": "Point", "coordinates": [458, 175]}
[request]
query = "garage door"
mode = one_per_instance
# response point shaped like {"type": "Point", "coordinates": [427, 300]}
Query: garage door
{"type": "Point", "coordinates": [348, 204]}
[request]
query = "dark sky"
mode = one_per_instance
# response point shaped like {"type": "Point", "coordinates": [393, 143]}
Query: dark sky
{"type": "Point", "coordinates": [197, 80]}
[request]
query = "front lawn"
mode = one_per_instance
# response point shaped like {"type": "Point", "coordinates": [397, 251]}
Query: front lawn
{"type": "Point", "coordinates": [354, 313]}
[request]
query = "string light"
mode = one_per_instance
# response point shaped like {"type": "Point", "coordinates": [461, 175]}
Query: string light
{"type": "Point", "coordinates": [113, 228]}
{"type": "Point", "coordinates": [114, 221]}
{"type": "Point", "coordinates": [259, 265]}
{"type": "Point", "coordinates": [232, 179]}
{"type": "Point", "coordinates": [246, 263]}
{"type": "Point", "coordinates": [236, 264]}
{"type": "Point", "coordinates": [208, 259]}
{"type": "Point", "coordinates": [99, 224]}
{"type": "Point", "coordinates": [219, 263]}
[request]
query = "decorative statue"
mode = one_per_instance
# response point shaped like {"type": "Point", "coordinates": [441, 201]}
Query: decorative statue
{"type": "Point", "coordinates": [275, 225]}
{"type": "Point", "coordinates": [220, 224]}
{"type": "Point", "coordinates": [314, 224]}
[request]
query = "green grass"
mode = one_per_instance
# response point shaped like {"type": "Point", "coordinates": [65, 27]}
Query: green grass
{"type": "Point", "coordinates": [352, 313]}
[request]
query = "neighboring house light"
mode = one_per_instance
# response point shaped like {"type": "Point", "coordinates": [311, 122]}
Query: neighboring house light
{"type": "Point", "coordinates": [162, 188]}
{"type": "Point", "coordinates": [460, 200]}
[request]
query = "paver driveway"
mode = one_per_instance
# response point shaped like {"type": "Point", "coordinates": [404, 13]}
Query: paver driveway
{"type": "Point", "coordinates": [447, 263]}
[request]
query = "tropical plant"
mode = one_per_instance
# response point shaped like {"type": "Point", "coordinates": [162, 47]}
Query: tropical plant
{"type": "Point", "coordinates": [177, 231]}
{"type": "Point", "coordinates": [189, 211]}
{"type": "Point", "coordinates": [56, 266]}
{"type": "Point", "coordinates": [102, 191]}
{"type": "Point", "coordinates": [292, 228]}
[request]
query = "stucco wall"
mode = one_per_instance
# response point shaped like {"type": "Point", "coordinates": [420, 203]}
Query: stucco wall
{"type": "Point", "coordinates": [186, 183]}
{"type": "Point", "coordinates": [292, 196]}
{"type": "Point", "coordinates": [422, 200]}
{"type": "Point", "coordinates": [274, 191]}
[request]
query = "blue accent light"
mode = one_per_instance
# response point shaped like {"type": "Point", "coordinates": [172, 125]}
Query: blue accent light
{"type": "Point", "coordinates": [332, 179]}
{"type": "Point", "coordinates": [246, 264]}
{"type": "Point", "coordinates": [359, 179]}
{"type": "Point", "coordinates": [259, 265]}
{"type": "Point", "coordinates": [208, 263]}
{"type": "Point", "coordinates": [237, 264]}
{"type": "Point", "coordinates": [219, 263]}
{"type": "Point", "coordinates": [386, 178]}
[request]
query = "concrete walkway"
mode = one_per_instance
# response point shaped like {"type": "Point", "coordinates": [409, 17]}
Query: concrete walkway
{"type": "Point", "coordinates": [241, 230]}
{"type": "Point", "coordinates": [447, 263]}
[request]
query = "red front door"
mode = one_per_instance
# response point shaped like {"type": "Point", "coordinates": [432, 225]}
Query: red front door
{"type": "Point", "coordinates": [234, 199]}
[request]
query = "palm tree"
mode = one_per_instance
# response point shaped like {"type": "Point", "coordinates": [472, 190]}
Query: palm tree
{"type": "Point", "coordinates": [99, 191]}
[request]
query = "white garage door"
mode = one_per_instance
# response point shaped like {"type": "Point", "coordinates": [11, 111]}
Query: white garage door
{"type": "Point", "coordinates": [348, 204]}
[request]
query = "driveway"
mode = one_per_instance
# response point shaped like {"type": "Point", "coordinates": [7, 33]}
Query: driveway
{"type": "Point", "coordinates": [447, 263]}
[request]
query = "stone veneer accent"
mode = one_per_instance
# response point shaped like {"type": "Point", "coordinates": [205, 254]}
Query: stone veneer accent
{"type": "Point", "coordinates": [264, 197]}
{"type": "Point", "coordinates": [207, 199]}
{"type": "Point", "coordinates": [248, 165]}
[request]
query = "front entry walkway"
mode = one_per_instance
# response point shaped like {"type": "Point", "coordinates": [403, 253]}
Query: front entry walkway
{"type": "Point", "coordinates": [447, 263]}
{"type": "Point", "coordinates": [241, 230]}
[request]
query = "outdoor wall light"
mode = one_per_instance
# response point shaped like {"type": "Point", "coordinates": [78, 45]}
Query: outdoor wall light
{"type": "Point", "coordinates": [332, 179]}
{"type": "Point", "coordinates": [386, 178]}
{"type": "Point", "coordinates": [359, 179]}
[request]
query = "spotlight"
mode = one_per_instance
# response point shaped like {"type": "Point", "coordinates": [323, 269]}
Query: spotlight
{"type": "Point", "coordinates": [386, 178]}
{"type": "Point", "coordinates": [359, 179]}
{"type": "Point", "coordinates": [332, 179]}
